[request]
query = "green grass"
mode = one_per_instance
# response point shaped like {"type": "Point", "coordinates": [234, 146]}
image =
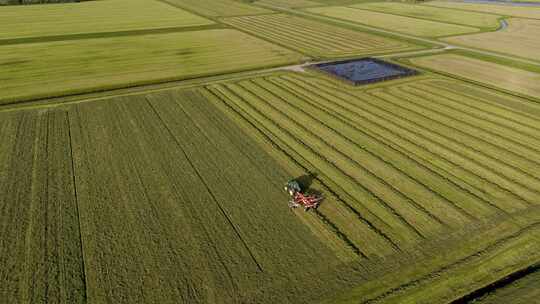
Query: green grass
{"type": "Point", "coordinates": [99, 64]}
{"type": "Point", "coordinates": [315, 38]}
{"type": "Point", "coordinates": [92, 17]}
{"type": "Point", "coordinates": [401, 24]}
{"type": "Point", "coordinates": [288, 3]}
{"type": "Point", "coordinates": [480, 20]}
{"type": "Point", "coordinates": [218, 8]}
{"type": "Point", "coordinates": [522, 291]}
{"type": "Point", "coordinates": [505, 10]}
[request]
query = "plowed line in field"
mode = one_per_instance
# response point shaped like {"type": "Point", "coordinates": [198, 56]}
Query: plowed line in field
{"type": "Point", "coordinates": [473, 151]}
{"type": "Point", "coordinates": [333, 227]}
{"type": "Point", "coordinates": [485, 100]}
{"type": "Point", "coordinates": [400, 194]}
{"type": "Point", "coordinates": [502, 116]}
{"type": "Point", "coordinates": [384, 203]}
{"type": "Point", "coordinates": [440, 112]}
{"type": "Point", "coordinates": [260, 125]}
{"type": "Point", "coordinates": [206, 185]}
{"type": "Point", "coordinates": [418, 93]}
{"type": "Point", "coordinates": [74, 174]}
{"type": "Point", "coordinates": [388, 142]}
{"type": "Point", "coordinates": [449, 202]}
{"type": "Point", "coordinates": [401, 128]}
{"type": "Point", "coordinates": [462, 261]}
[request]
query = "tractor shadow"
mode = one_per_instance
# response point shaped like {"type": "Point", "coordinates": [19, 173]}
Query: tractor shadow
{"type": "Point", "coordinates": [306, 181]}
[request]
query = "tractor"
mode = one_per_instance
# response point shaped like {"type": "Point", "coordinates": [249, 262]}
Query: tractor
{"type": "Point", "coordinates": [299, 198]}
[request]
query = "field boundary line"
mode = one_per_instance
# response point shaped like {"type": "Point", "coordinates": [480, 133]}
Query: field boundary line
{"type": "Point", "coordinates": [74, 175]}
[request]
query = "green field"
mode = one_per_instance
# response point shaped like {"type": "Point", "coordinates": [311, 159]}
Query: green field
{"type": "Point", "coordinates": [401, 24]}
{"type": "Point", "coordinates": [473, 19]}
{"type": "Point", "coordinates": [315, 38]}
{"type": "Point", "coordinates": [145, 145]}
{"type": "Point", "coordinates": [99, 64]}
{"type": "Point", "coordinates": [218, 8]}
{"type": "Point", "coordinates": [106, 16]}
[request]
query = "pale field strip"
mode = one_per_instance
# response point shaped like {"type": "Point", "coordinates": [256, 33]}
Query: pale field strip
{"type": "Point", "coordinates": [505, 77]}
{"type": "Point", "coordinates": [505, 10]}
{"type": "Point", "coordinates": [105, 16]}
{"type": "Point", "coordinates": [433, 13]}
{"type": "Point", "coordinates": [406, 25]}
{"type": "Point", "coordinates": [521, 38]}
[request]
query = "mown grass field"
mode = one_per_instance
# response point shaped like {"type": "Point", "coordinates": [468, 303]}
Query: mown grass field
{"type": "Point", "coordinates": [218, 8]}
{"type": "Point", "coordinates": [497, 75]}
{"type": "Point", "coordinates": [524, 290]}
{"type": "Point", "coordinates": [315, 38]}
{"type": "Point", "coordinates": [289, 3]}
{"type": "Point", "coordinates": [401, 24]}
{"type": "Point", "coordinates": [473, 19]}
{"type": "Point", "coordinates": [98, 64]}
{"type": "Point", "coordinates": [106, 16]}
{"type": "Point", "coordinates": [521, 38]}
{"type": "Point", "coordinates": [505, 10]}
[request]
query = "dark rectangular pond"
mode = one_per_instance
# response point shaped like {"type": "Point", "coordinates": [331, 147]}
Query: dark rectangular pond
{"type": "Point", "coordinates": [364, 70]}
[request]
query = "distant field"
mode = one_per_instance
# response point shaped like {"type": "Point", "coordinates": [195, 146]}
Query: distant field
{"type": "Point", "coordinates": [432, 13]}
{"type": "Point", "coordinates": [315, 38]}
{"type": "Point", "coordinates": [505, 77]}
{"type": "Point", "coordinates": [288, 3]}
{"type": "Point", "coordinates": [406, 25]}
{"type": "Point", "coordinates": [97, 64]}
{"type": "Point", "coordinates": [500, 9]}
{"type": "Point", "coordinates": [92, 17]}
{"type": "Point", "coordinates": [218, 8]}
{"type": "Point", "coordinates": [521, 38]}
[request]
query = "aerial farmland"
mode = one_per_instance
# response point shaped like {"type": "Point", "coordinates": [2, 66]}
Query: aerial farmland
{"type": "Point", "coordinates": [269, 151]}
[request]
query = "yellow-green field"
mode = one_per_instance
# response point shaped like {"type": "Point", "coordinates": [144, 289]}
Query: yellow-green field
{"type": "Point", "coordinates": [433, 13]}
{"type": "Point", "coordinates": [505, 10]}
{"type": "Point", "coordinates": [91, 64]}
{"type": "Point", "coordinates": [288, 3]}
{"type": "Point", "coordinates": [92, 17]}
{"type": "Point", "coordinates": [521, 38]}
{"type": "Point", "coordinates": [218, 8]}
{"type": "Point", "coordinates": [406, 25]}
{"type": "Point", "coordinates": [315, 38]}
{"type": "Point", "coordinates": [498, 75]}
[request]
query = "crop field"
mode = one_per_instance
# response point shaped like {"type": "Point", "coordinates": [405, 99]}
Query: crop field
{"type": "Point", "coordinates": [473, 19]}
{"type": "Point", "coordinates": [289, 3]}
{"type": "Point", "coordinates": [218, 8]}
{"type": "Point", "coordinates": [504, 10]}
{"type": "Point", "coordinates": [125, 61]}
{"type": "Point", "coordinates": [521, 38]}
{"type": "Point", "coordinates": [498, 75]}
{"type": "Point", "coordinates": [107, 16]}
{"type": "Point", "coordinates": [401, 24]}
{"type": "Point", "coordinates": [145, 146]}
{"type": "Point", "coordinates": [315, 38]}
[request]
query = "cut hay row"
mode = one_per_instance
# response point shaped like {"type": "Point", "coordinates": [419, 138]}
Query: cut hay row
{"type": "Point", "coordinates": [313, 161]}
{"type": "Point", "coordinates": [106, 16]}
{"type": "Point", "coordinates": [411, 144]}
{"type": "Point", "coordinates": [406, 25]}
{"type": "Point", "coordinates": [194, 209]}
{"type": "Point", "coordinates": [500, 9]}
{"type": "Point", "coordinates": [218, 8]}
{"type": "Point", "coordinates": [128, 61]}
{"type": "Point", "coordinates": [40, 243]}
{"type": "Point", "coordinates": [314, 38]}
{"type": "Point", "coordinates": [521, 82]}
{"type": "Point", "coordinates": [474, 19]}
{"type": "Point", "coordinates": [521, 38]}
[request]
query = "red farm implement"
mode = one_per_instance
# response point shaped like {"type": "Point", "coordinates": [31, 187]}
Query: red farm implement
{"type": "Point", "coordinates": [301, 199]}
